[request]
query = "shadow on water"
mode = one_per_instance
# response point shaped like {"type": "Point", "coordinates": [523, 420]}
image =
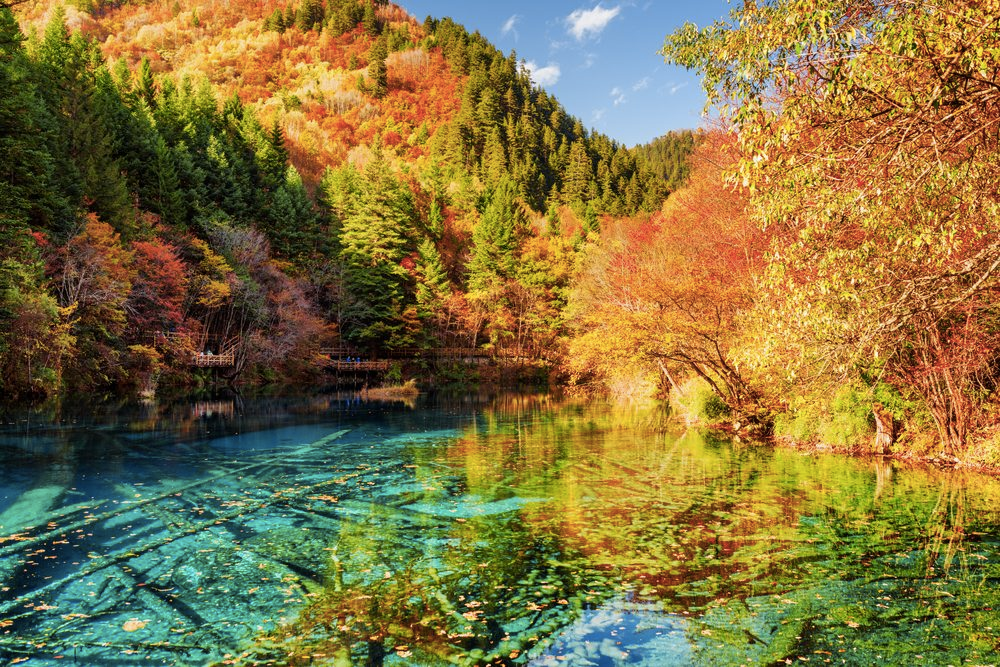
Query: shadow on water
{"type": "Point", "coordinates": [473, 529]}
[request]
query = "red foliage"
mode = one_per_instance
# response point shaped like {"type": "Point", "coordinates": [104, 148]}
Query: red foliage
{"type": "Point", "coordinates": [158, 290]}
{"type": "Point", "coordinates": [391, 138]}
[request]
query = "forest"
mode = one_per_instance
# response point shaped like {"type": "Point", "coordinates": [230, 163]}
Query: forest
{"type": "Point", "coordinates": [819, 262]}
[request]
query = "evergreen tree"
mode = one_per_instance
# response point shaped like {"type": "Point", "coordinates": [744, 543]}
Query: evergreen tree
{"type": "Point", "coordinates": [376, 237]}
{"type": "Point", "coordinates": [579, 173]}
{"type": "Point", "coordinates": [378, 74]}
{"type": "Point", "coordinates": [276, 21]}
{"type": "Point", "coordinates": [292, 223]}
{"type": "Point", "coordinates": [433, 286]}
{"type": "Point", "coordinates": [339, 192]}
{"type": "Point", "coordinates": [497, 239]}
{"type": "Point", "coordinates": [435, 220]}
{"type": "Point", "coordinates": [309, 15]}
{"type": "Point", "coordinates": [88, 172]}
{"type": "Point", "coordinates": [145, 85]}
{"type": "Point", "coordinates": [167, 198]}
{"type": "Point", "coordinates": [27, 195]}
{"type": "Point", "coordinates": [370, 21]}
{"type": "Point", "coordinates": [273, 157]}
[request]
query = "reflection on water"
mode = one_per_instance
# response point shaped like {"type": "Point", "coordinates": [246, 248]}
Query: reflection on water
{"type": "Point", "coordinates": [508, 529]}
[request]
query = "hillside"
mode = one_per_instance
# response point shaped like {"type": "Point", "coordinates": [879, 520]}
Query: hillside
{"type": "Point", "coordinates": [277, 178]}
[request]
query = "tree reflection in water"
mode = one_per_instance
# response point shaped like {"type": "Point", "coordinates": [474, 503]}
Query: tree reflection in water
{"type": "Point", "coordinates": [480, 530]}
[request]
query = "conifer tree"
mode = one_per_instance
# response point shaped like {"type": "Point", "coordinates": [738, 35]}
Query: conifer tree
{"type": "Point", "coordinates": [309, 15]}
{"type": "Point", "coordinates": [370, 20]}
{"type": "Point", "coordinates": [145, 85]}
{"type": "Point", "coordinates": [88, 171]}
{"type": "Point", "coordinates": [26, 192]}
{"type": "Point", "coordinates": [292, 223]}
{"type": "Point", "coordinates": [167, 199]}
{"type": "Point", "coordinates": [497, 239]}
{"type": "Point", "coordinates": [273, 157]}
{"type": "Point", "coordinates": [376, 236]}
{"type": "Point", "coordinates": [433, 286]}
{"type": "Point", "coordinates": [378, 75]}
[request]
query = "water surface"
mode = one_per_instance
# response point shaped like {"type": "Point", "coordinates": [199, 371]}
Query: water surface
{"type": "Point", "coordinates": [482, 530]}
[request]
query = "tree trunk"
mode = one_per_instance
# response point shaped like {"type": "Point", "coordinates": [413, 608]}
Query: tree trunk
{"type": "Point", "coordinates": [885, 429]}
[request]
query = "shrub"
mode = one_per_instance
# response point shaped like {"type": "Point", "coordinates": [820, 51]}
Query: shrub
{"type": "Point", "coordinates": [696, 402]}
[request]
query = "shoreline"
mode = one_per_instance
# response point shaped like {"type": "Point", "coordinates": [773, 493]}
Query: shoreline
{"type": "Point", "coordinates": [940, 462]}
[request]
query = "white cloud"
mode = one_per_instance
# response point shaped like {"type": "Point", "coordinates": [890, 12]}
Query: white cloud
{"type": "Point", "coordinates": [509, 26]}
{"type": "Point", "coordinates": [598, 115]}
{"type": "Point", "coordinates": [543, 76]}
{"type": "Point", "coordinates": [618, 96]}
{"type": "Point", "coordinates": [590, 22]}
{"type": "Point", "coordinates": [677, 86]}
{"type": "Point", "coordinates": [641, 84]}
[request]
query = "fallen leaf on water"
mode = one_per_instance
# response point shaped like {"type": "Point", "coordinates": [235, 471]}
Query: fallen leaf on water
{"type": "Point", "coordinates": [133, 624]}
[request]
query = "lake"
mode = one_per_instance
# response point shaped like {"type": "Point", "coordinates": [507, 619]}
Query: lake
{"type": "Point", "coordinates": [514, 529]}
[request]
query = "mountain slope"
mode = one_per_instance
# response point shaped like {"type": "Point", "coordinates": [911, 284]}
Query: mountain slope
{"type": "Point", "coordinates": [277, 178]}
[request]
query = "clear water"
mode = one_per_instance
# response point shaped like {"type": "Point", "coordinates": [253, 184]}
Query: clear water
{"type": "Point", "coordinates": [483, 530]}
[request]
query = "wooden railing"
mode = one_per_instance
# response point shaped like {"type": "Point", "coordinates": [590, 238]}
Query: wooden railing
{"type": "Point", "coordinates": [354, 366]}
{"type": "Point", "coordinates": [225, 358]}
{"type": "Point", "coordinates": [344, 353]}
{"type": "Point", "coordinates": [214, 360]}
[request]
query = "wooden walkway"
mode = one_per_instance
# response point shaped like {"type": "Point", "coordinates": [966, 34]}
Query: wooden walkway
{"type": "Point", "coordinates": [203, 359]}
{"type": "Point", "coordinates": [339, 354]}
{"type": "Point", "coordinates": [355, 366]}
{"type": "Point", "coordinates": [213, 360]}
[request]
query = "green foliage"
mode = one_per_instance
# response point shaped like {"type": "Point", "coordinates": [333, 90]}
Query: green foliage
{"type": "Point", "coordinates": [276, 21]}
{"type": "Point", "coordinates": [844, 417]}
{"type": "Point", "coordinates": [496, 239]}
{"type": "Point", "coordinates": [696, 402]}
{"type": "Point", "coordinates": [369, 20]}
{"type": "Point", "coordinates": [376, 235]}
{"type": "Point", "coordinates": [309, 15]}
{"type": "Point", "coordinates": [378, 74]}
{"type": "Point", "coordinates": [83, 146]}
{"type": "Point", "coordinates": [667, 157]}
{"type": "Point", "coordinates": [887, 254]}
{"type": "Point", "coordinates": [82, 141]}
{"type": "Point", "coordinates": [507, 126]}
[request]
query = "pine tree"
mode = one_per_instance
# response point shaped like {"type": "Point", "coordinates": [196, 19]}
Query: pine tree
{"type": "Point", "coordinates": [370, 21]}
{"type": "Point", "coordinates": [376, 236]}
{"type": "Point", "coordinates": [497, 239]}
{"type": "Point", "coordinates": [167, 198]}
{"type": "Point", "coordinates": [273, 157]}
{"type": "Point", "coordinates": [292, 223]}
{"type": "Point", "coordinates": [145, 85]}
{"type": "Point", "coordinates": [378, 74]}
{"type": "Point", "coordinates": [579, 173]}
{"type": "Point", "coordinates": [433, 286]}
{"type": "Point", "coordinates": [27, 195]}
{"type": "Point", "coordinates": [339, 192]}
{"type": "Point", "coordinates": [276, 21]}
{"type": "Point", "coordinates": [309, 15]}
{"type": "Point", "coordinates": [88, 172]}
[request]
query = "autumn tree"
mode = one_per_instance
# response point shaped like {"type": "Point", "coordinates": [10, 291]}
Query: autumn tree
{"type": "Point", "coordinates": [94, 275]}
{"type": "Point", "coordinates": [868, 140]}
{"type": "Point", "coordinates": [670, 294]}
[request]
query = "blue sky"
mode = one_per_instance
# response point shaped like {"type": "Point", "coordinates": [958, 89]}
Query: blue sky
{"type": "Point", "coordinates": [598, 59]}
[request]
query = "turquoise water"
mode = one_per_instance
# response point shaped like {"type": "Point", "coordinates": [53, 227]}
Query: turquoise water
{"type": "Point", "coordinates": [514, 530]}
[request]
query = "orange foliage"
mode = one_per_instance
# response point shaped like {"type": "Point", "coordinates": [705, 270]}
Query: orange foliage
{"type": "Point", "coordinates": [225, 41]}
{"type": "Point", "coordinates": [670, 291]}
